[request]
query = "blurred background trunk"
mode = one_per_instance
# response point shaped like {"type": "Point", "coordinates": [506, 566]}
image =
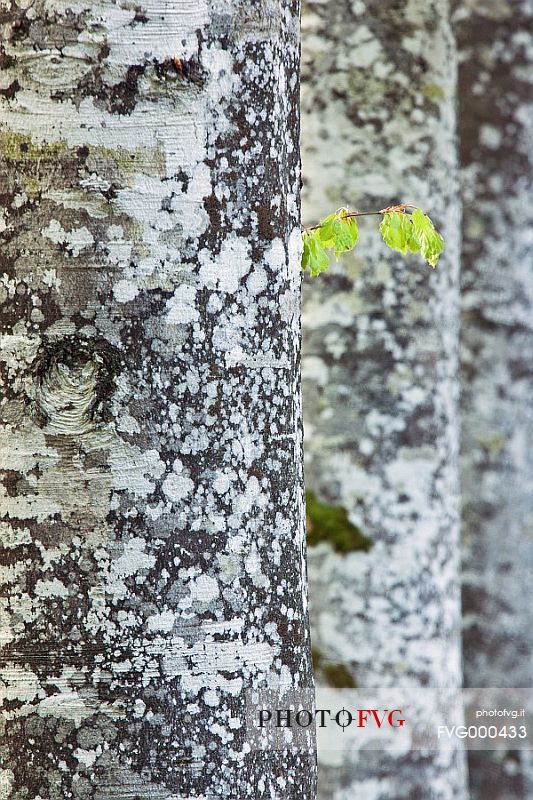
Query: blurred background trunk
{"type": "Point", "coordinates": [495, 122]}
{"type": "Point", "coordinates": [380, 371]}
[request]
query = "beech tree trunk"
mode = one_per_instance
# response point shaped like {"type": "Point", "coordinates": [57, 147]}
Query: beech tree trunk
{"type": "Point", "coordinates": [152, 500]}
{"type": "Point", "coordinates": [380, 369]}
{"type": "Point", "coordinates": [495, 46]}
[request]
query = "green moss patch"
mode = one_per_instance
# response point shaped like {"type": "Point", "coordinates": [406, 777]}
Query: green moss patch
{"type": "Point", "coordinates": [336, 675]}
{"type": "Point", "coordinates": [21, 147]}
{"type": "Point", "coordinates": [433, 92]}
{"type": "Point", "coordinates": [331, 524]}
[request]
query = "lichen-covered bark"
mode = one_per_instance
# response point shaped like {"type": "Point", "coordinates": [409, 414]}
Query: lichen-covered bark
{"type": "Point", "coordinates": [152, 502]}
{"type": "Point", "coordinates": [380, 368]}
{"type": "Point", "coordinates": [495, 104]}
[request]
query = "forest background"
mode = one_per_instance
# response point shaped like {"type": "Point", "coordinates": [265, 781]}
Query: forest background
{"type": "Point", "coordinates": [417, 384]}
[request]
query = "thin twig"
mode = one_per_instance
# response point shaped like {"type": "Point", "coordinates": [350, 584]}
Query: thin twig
{"type": "Point", "coordinates": [351, 214]}
{"type": "Point", "coordinates": [398, 207]}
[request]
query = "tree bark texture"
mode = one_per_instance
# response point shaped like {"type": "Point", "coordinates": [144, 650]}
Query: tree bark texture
{"type": "Point", "coordinates": [496, 77]}
{"type": "Point", "coordinates": [380, 368]}
{"type": "Point", "coordinates": [152, 498]}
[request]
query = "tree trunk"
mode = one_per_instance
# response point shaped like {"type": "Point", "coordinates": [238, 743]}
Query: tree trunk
{"type": "Point", "coordinates": [152, 507]}
{"type": "Point", "coordinates": [380, 370]}
{"type": "Point", "coordinates": [496, 365]}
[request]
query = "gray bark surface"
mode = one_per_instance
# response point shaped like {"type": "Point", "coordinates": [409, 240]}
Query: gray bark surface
{"type": "Point", "coordinates": [151, 441]}
{"type": "Point", "coordinates": [380, 369]}
{"type": "Point", "coordinates": [495, 104]}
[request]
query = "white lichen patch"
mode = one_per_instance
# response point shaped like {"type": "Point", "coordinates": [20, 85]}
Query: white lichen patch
{"type": "Point", "coordinates": [75, 240]}
{"type": "Point", "coordinates": [133, 559]}
{"type": "Point", "coordinates": [132, 469]}
{"type": "Point", "coordinates": [228, 268]}
{"type": "Point", "coordinates": [182, 306]}
{"type": "Point", "coordinates": [85, 757]}
{"type": "Point", "coordinates": [177, 485]}
{"type": "Point", "coordinates": [204, 589]}
{"type": "Point", "coordinates": [125, 291]}
{"type": "Point", "coordinates": [164, 621]}
{"type": "Point", "coordinates": [13, 537]}
{"type": "Point", "coordinates": [52, 588]}
{"type": "Point", "coordinates": [65, 705]}
{"type": "Point", "coordinates": [6, 783]}
{"type": "Point", "coordinates": [19, 683]}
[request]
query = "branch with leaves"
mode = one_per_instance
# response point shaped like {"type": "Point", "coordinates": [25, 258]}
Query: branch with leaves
{"type": "Point", "coordinates": [402, 230]}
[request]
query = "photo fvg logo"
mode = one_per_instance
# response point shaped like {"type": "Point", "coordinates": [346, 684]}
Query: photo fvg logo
{"type": "Point", "coordinates": [373, 715]}
{"type": "Point", "coordinates": [358, 718]}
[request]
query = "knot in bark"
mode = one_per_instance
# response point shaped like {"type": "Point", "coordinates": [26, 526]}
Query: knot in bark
{"type": "Point", "coordinates": [73, 380]}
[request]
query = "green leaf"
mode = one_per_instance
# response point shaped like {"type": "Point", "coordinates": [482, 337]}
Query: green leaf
{"type": "Point", "coordinates": [305, 254]}
{"type": "Point", "coordinates": [347, 233]}
{"type": "Point", "coordinates": [314, 255]}
{"type": "Point", "coordinates": [412, 243]}
{"type": "Point", "coordinates": [396, 230]}
{"type": "Point", "coordinates": [401, 231]}
{"type": "Point", "coordinates": [339, 232]}
{"type": "Point", "coordinates": [326, 232]}
{"type": "Point", "coordinates": [430, 241]}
